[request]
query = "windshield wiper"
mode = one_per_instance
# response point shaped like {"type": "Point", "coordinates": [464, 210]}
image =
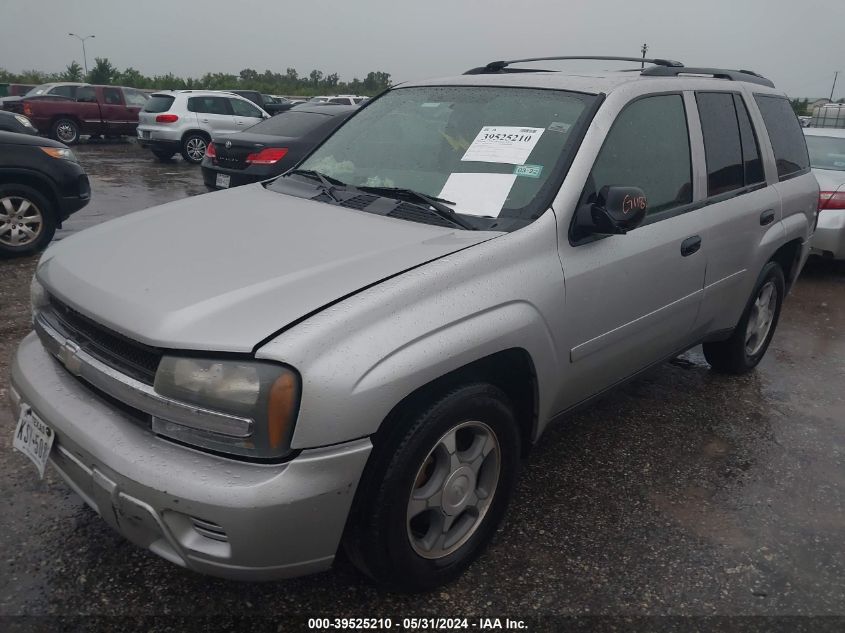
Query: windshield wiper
{"type": "Point", "coordinates": [328, 183]}
{"type": "Point", "coordinates": [437, 205]}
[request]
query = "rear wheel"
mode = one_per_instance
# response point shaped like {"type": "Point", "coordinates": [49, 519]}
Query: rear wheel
{"type": "Point", "coordinates": [194, 146]}
{"type": "Point", "coordinates": [750, 340]}
{"type": "Point", "coordinates": [27, 220]}
{"type": "Point", "coordinates": [435, 490]}
{"type": "Point", "coordinates": [163, 154]}
{"type": "Point", "coordinates": [65, 131]}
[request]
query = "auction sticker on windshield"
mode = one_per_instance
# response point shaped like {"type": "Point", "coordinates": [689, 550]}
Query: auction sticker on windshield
{"type": "Point", "coordinates": [33, 438]}
{"type": "Point", "coordinates": [503, 144]}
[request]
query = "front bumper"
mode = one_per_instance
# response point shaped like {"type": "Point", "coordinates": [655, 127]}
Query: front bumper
{"type": "Point", "coordinates": [829, 238]}
{"type": "Point", "coordinates": [207, 513]}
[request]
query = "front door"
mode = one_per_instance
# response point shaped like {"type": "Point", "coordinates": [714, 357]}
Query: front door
{"type": "Point", "coordinates": [245, 113]}
{"type": "Point", "coordinates": [632, 300]}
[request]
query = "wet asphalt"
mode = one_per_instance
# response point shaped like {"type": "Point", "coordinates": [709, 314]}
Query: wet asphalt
{"type": "Point", "coordinates": [683, 493]}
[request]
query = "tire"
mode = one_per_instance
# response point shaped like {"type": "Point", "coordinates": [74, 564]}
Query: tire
{"type": "Point", "coordinates": [65, 131]}
{"type": "Point", "coordinates": [392, 535]}
{"type": "Point", "coordinates": [193, 147]}
{"type": "Point", "coordinates": [750, 339]}
{"type": "Point", "coordinates": [29, 210]}
{"type": "Point", "coordinates": [163, 154]}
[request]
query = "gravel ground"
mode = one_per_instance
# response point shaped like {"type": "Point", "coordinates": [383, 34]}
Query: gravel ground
{"type": "Point", "coordinates": [684, 493]}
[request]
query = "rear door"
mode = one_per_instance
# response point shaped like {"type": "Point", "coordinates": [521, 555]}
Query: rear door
{"type": "Point", "coordinates": [739, 204]}
{"type": "Point", "coordinates": [632, 300]}
{"type": "Point", "coordinates": [246, 114]}
{"type": "Point", "coordinates": [214, 114]}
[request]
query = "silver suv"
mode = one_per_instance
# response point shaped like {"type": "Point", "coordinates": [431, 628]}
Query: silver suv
{"type": "Point", "coordinates": [461, 263]}
{"type": "Point", "coordinates": [183, 121]}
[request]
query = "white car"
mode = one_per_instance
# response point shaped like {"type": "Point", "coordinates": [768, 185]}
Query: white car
{"type": "Point", "coordinates": [185, 120]}
{"type": "Point", "coordinates": [827, 158]}
{"type": "Point", "coordinates": [339, 100]}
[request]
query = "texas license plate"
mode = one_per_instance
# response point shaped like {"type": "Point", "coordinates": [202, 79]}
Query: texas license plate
{"type": "Point", "coordinates": [33, 438]}
{"type": "Point", "coordinates": [223, 181]}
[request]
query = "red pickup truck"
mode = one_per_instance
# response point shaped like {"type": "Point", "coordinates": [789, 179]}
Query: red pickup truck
{"type": "Point", "coordinates": [92, 110]}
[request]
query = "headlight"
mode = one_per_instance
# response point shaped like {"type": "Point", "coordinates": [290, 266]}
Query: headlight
{"type": "Point", "coordinates": [262, 399]}
{"type": "Point", "coordinates": [24, 121]}
{"type": "Point", "coordinates": [59, 152]}
{"type": "Point", "coordinates": [38, 297]}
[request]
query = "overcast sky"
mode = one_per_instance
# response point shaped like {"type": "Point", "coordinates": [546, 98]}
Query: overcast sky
{"type": "Point", "coordinates": [797, 43]}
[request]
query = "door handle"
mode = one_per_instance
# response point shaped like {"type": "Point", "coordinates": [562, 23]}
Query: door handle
{"type": "Point", "coordinates": [204, 120]}
{"type": "Point", "coordinates": [690, 245]}
{"type": "Point", "coordinates": [767, 217]}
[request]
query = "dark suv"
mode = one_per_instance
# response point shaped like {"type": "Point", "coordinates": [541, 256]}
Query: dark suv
{"type": "Point", "coordinates": [41, 184]}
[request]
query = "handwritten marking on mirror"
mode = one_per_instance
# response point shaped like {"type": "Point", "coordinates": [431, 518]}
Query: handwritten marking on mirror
{"type": "Point", "coordinates": [630, 203]}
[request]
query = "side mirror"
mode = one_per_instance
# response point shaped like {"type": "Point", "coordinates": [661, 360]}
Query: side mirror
{"type": "Point", "coordinates": [614, 211]}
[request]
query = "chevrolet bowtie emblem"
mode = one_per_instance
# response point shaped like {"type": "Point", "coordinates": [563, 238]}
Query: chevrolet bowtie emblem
{"type": "Point", "coordinates": [69, 357]}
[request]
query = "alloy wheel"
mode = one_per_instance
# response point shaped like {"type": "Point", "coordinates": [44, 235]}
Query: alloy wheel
{"type": "Point", "coordinates": [21, 221]}
{"type": "Point", "coordinates": [65, 132]}
{"type": "Point", "coordinates": [453, 489]}
{"type": "Point", "coordinates": [195, 147]}
{"type": "Point", "coordinates": [761, 318]}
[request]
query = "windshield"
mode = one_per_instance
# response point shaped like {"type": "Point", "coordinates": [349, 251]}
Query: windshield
{"type": "Point", "coordinates": [827, 152]}
{"type": "Point", "coordinates": [488, 151]}
{"type": "Point", "coordinates": [38, 90]}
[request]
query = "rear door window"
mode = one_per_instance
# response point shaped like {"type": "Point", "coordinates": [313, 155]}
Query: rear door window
{"type": "Point", "coordinates": [722, 144]}
{"type": "Point", "coordinates": [647, 147]}
{"type": "Point", "coordinates": [159, 103]}
{"type": "Point", "coordinates": [785, 135]}
{"type": "Point", "coordinates": [209, 105]}
{"type": "Point", "coordinates": [752, 164]}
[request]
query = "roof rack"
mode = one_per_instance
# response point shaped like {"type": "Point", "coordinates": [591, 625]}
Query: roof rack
{"type": "Point", "coordinates": [659, 68]}
{"type": "Point", "coordinates": [502, 66]}
{"type": "Point", "coordinates": [719, 73]}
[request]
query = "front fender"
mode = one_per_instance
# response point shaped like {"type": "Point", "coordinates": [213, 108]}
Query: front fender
{"type": "Point", "coordinates": [361, 357]}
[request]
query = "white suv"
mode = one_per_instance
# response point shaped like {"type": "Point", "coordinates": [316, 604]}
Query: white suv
{"type": "Point", "coordinates": [184, 120]}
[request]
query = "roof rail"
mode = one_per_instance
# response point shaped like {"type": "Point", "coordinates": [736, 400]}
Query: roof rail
{"type": "Point", "coordinates": [502, 66]}
{"type": "Point", "coordinates": [719, 73]}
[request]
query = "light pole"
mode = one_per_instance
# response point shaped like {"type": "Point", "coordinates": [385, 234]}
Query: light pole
{"type": "Point", "coordinates": [644, 50]}
{"type": "Point", "coordinates": [84, 57]}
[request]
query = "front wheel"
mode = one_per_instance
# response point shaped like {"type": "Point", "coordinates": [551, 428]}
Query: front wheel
{"type": "Point", "coordinates": [748, 344]}
{"type": "Point", "coordinates": [435, 490]}
{"type": "Point", "coordinates": [193, 148]}
{"type": "Point", "coordinates": [65, 131]}
{"type": "Point", "coordinates": [27, 220]}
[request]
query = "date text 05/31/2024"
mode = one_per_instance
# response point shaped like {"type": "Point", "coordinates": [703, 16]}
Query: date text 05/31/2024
{"type": "Point", "coordinates": [416, 624]}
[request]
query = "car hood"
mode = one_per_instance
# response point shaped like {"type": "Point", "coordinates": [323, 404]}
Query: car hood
{"type": "Point", "coordinates": [224, 271]}
{"type": "Point", "coordinates": [829, 179]}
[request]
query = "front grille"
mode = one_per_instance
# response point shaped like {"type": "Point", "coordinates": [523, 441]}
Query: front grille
{"type": "Point", "coordinates": [115, 350]}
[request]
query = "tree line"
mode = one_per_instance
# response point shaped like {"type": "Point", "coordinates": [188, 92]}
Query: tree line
{"type": "Point", "coordinates": [269, 82]}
